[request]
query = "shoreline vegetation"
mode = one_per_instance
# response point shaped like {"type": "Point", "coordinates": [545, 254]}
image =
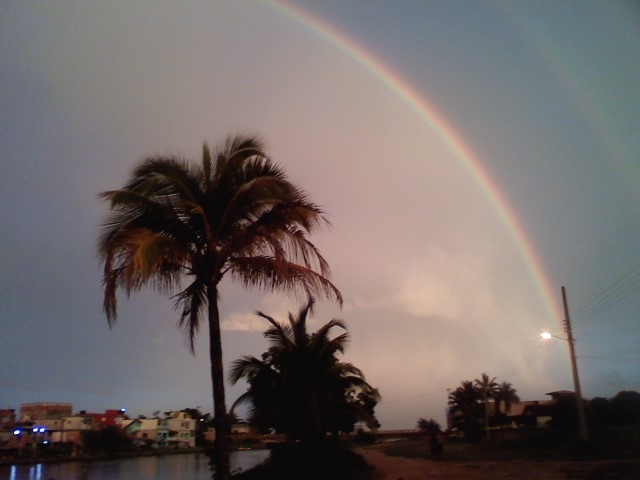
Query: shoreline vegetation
{"type": "Point", "coordinates": [614, 454]}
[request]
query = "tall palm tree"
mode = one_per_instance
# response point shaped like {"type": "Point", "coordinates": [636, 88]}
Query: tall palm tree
{"type": "Point", "coordinates": [234, 214]}
{"type": "Point", "coordinates": [505, 393]}
{"type": "Point", "coordinates": [299, 387]}
{"type": "Point", "coordinates": [488, 387]}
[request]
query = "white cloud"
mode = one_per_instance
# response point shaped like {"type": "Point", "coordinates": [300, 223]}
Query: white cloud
{"type": "Point", "coordinates": [360, 303]}
{"type": "Point", "coordinates": [276, 306]}
{"type": "Point", "coordinates": [444, 284]}
{"type": "Point", "coordinates": [243, 322]}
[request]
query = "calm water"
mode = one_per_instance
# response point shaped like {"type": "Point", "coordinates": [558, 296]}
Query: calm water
{"type": "Point", "coordinates": [171, 467]}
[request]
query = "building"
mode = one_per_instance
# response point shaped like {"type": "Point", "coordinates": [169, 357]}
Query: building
{"type": "Point", "coordinates": [555, 396]}
{"type": "Point", "coordinates": [241, 428]}
{"type": "Point", "coordinates": [33, 412]}
{"type": "Point", "coordinates": [535, 413]}
{"type": "Point", "coordinates": [143, 431]}
{"type": "Point", "coordinates": [7, 419]}
{"type": "Point", "coordinates": [178, 430]}
{"type": "Point", "coordinates": [110, 418]}
{"type": "Point", "coordinates": [68, 429]}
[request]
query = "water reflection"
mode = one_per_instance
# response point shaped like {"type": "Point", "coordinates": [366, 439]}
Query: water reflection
{"type": "Point", "coordinates": [187, 467]}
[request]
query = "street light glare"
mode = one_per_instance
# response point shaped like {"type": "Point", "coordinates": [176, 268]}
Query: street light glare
{"type": "Point", "coordinates": [545, 335]}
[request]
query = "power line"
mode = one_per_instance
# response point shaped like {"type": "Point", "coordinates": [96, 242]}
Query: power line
{"type": "Point", "coordinates": [633, 352]}
{"type": "Point", "coordinates": [616, 290]}
{"type": "Point", "coordinates": [608, 298]}
{"type": "Point", "coordinates": [626, 285]}
{"type": "Point", "coordinates": [630, 356]}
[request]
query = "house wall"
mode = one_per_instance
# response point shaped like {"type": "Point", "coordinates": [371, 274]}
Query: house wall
{"type": "Point", "coordinates": [179, 429]}
{"type": "Point", "coordinates": [143, 429]}
{"type": "Point", "coordinates": [44, 411]}
{"type": "Point", "coordinates": [7, 419]}
{"type": "Point", "coordinates": [107, 419]}
{"type": "Point", "coordinates": [72, 429]}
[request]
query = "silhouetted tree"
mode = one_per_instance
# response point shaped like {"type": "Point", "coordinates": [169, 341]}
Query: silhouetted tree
{"type": "Point", "coordinates": [203, 421]}
{"type": "Point", "coordinates": [565, 412]}
{"type": "Point", "coordinates": [470, 404]}
{"type": "Point", "coordinates": [507, 395]}
{"type": "Point", "coordinates": [465, 404]}
{"type": "Point", "coordinates": [109, 440]}
{"type": "Point", "coordinates": [602, 410]}
{"type": "Point", "coordinates": [429, 426]}
{"type": "Point", "coordinates": [299, 387]}
{"type": "Point", "coordinates": [625, 408]}
{"type": "Point", "coordinates": [487, 387]}
{"type": "Point", "coordinates": [234, 214]}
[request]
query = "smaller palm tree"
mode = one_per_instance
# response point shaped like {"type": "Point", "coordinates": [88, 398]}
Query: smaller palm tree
{"type": "Point", "coordinates": [465, 406]}
{"type": "Point", "coordinates": [430, 426]}
{"type": "Point", "coordinates": [505, 393]}
{"type": "Point", "coordinates": [299, 387]}
{"type": "Point", "coordinates": [488, 387]}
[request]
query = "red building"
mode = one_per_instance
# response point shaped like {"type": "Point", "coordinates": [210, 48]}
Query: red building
{"type": "Point", "coordinates": [108, 418]}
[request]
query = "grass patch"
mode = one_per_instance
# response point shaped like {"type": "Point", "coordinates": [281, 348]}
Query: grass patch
{"type": "Point", "coordinates": [605, 443]}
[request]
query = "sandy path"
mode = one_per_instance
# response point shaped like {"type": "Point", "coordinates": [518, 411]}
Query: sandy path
{"type": "Point", "coordinates": [399, 468]}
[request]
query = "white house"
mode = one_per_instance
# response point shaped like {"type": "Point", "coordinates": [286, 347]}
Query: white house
{"type": "Point", "coordinates": [142, 430]}
{"type": "Point", "coordinates": [67, 429]}
{"type": "Point", "coordinates": [178, 429]}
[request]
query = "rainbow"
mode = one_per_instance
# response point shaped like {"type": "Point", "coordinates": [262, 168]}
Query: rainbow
{"type": "Point", "coordinates": [428, 113]}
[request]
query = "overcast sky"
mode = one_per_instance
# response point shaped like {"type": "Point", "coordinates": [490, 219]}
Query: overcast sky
{"type": "Point", "coordinates": [440, 283]}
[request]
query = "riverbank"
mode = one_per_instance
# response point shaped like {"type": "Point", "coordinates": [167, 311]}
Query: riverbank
{"type": "Point", "coordinates": [148, 452]}
{"type": "Point", "coordinates": [94, 458]}
{"type": "Point", "coordinates": [189, 466]}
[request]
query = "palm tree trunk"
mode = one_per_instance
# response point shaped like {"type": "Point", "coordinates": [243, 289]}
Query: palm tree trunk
{"type": "Point", "coordinates": [222, 445]}
{"type": "Point", "coordinates": [486, 417]}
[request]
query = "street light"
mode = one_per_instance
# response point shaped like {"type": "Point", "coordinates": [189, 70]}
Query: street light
{"type": "Point", "coordinates": [584, 434]}
{"type": "Point", "coordinates": [546, 335]}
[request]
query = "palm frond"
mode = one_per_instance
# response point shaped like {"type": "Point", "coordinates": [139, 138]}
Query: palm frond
{"type": "Point", "coordinates": [245, 367]}
{"type": "Point", "coordinates": [191, 301]}
{"type": "Point", "coordinates": [270, 274]}
{"type": "Point", "coordinates": [299, 325]}
{"type": "Point", "coordinates": [280, 335]}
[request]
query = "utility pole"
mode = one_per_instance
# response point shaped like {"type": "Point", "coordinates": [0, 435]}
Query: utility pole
{"type": "Point", "coordinates": [584, 434]}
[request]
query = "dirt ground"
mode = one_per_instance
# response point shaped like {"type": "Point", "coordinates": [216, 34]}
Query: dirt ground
{"type": "Point", "coordinates": [400, 468]}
